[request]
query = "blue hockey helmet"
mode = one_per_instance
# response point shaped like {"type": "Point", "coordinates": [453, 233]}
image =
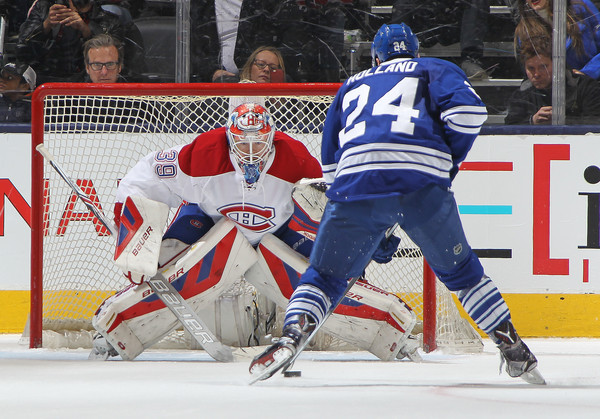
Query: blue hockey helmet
{"type": "Point", "coordinates": [394, 40]}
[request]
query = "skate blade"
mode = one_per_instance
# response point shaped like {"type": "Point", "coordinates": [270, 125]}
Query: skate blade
{"type": "Point", "coordinates": [415, 357]}
{"type": "Point", "coordinates": [280, 360]}
{"type": "Point", "coordinates": [98, 356]}
{"type": "Point", "coordinates": [533, 377]}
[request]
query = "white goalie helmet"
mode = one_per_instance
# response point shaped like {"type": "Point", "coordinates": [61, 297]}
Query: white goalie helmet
{"type": "Point", "coordinates": [250, 133]}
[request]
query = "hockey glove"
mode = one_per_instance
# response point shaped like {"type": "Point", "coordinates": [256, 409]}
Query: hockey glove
{"type": "Point", "coordinates": [386, 249]}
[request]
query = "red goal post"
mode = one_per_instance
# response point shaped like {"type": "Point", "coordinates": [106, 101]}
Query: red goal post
{"type": "Point", "coordinates": [97, 132]}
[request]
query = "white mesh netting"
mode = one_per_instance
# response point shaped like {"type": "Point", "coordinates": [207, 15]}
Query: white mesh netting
{"type": "Point", "coordinates": [97, 139]}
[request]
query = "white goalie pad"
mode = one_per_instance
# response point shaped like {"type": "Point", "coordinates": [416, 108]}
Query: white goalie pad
{"type": "Point", "coordinates": [369, 317]}
{"type": "Point", "coordinates": [372, 319]}
{"type": "Point", "coordinates": [135, 318]}
{"type": "Point", "coordinates": [143, 223]}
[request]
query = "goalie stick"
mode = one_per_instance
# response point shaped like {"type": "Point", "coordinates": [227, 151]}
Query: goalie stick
{"type": "Point", "coordinates": [159, 285]}
{"type": "Point", "coordinates": [287, 364]}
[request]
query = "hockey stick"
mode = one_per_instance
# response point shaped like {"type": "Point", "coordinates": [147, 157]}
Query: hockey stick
{"type": "Point", "coordinates": [286, 365]}
{"type": "Point", "coordinates": [159, 285]}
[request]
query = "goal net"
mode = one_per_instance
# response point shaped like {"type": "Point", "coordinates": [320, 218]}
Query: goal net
{"type": "Point", "coordinates": [98, 133]}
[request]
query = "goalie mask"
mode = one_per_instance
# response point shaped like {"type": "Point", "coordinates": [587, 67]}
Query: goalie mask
{"type": "Point", "coordinates": [250, 133]}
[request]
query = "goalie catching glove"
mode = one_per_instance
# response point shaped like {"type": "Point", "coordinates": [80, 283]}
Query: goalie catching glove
{"type": "Point", "coordinates": [141, 224]}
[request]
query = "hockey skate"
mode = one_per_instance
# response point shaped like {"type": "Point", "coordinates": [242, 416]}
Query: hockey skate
{"type": "Point", "coordinates": [101, 349]}
{"type": "Point", "coordinates": [282, 351]}
{"type": "Point", "coordinates": [520, 362]}
{"type": "Point", "coordinates": [410, 349]}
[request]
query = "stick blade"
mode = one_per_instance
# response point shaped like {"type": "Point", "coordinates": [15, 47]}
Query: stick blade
{"type": "Point", "coordinates": [221, 352]}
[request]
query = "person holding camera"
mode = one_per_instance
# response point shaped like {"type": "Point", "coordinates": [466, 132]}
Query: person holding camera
{"type": "Point", "coordinates": [52, 37]}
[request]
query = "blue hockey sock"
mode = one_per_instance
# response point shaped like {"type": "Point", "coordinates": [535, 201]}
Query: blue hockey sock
{"type": "Point", "coordinates": [307, 299]}
{"type": "Point", "coordinates": [484, 303]}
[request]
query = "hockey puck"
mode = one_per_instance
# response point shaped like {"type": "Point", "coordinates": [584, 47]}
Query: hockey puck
{"type": "Point", "coordinates": [292, 373]}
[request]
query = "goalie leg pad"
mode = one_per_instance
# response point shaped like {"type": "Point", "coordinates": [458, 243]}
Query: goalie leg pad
{"type": "Point", "coordinates": [278, 270]}
{"type": "Point", "coordinates": [121, 338]}
{"type": "Point", "coordinates": [209, 268]}
{"type": "Point", "coordinates": [368, 317]}
{"type": "Point", "coordinates": [372, 319]}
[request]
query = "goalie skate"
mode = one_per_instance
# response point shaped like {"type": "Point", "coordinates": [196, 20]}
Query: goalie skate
{"type": "Point", "coordinates": [101, 349]}
{"type": "Point", "coordinates": [410, 349]}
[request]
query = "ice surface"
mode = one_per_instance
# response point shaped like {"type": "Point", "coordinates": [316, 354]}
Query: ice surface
{"type": "Point", "coordinates": [45, 383]}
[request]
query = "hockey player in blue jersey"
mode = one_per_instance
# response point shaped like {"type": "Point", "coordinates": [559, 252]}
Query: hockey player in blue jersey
{"type": "Point", "coordinates": [392, 143]}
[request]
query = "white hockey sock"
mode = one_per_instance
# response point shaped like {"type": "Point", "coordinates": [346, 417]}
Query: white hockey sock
{"type": "Point", "coordinates": [307, 299]}
{"type": "Point", "coordinates": [484, 303]}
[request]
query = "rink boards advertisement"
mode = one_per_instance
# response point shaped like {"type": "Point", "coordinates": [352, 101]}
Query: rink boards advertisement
{"type": "Point", "coordinates": [530, 205]}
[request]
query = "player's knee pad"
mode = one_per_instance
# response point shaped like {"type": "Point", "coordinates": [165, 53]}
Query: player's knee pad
{"type": "Point", "coordinates": [135, 318]}
{"type": "Point", "coordinates": [369, 318]}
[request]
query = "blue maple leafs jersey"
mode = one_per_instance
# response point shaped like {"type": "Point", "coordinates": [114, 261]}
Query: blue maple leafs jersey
{"type": "Point", "coordinates": [395, 128]}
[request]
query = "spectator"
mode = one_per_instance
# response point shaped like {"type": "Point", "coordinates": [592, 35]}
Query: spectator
{"type": "Point", "coordinates": [265, 65]}
{"type": "Point", "coordinates": [16, 84]}
{"type": "Point", "coordinates": [532, 102]}
{"type": "Point", "coordinates": [436, 21]}
{"type": "Point", "coordinates": [103, 56]}
{"type": "Point", "coordinates": [309, 35]}
{"type": "Point", "coordinates": [583, 31]}
{"type": "Point", "coordinates": [52, 37]}
{"type": "Point", "coordinates": [473, 30]}
{"type": "Point", "coordinates": [214, 30]}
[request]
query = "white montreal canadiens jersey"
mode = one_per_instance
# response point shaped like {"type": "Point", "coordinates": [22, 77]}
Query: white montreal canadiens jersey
{"type": "Point", "coordinates": [204, 173]}
{"type": "Point", "coordinates": [395, 128]}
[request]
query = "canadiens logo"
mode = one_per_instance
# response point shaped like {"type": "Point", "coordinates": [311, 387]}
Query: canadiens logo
{"type": "Point", "coordinates": [250, 121]}
{"type": "Point", "coordinates": [250, 216]}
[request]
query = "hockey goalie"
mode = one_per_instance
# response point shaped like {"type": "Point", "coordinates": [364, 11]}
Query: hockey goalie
{"type": "Point", "coordinates": [244, 211]}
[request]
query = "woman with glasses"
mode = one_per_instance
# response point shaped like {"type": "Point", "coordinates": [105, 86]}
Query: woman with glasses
{"type": "Point", "coordinates": [265, 65]}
